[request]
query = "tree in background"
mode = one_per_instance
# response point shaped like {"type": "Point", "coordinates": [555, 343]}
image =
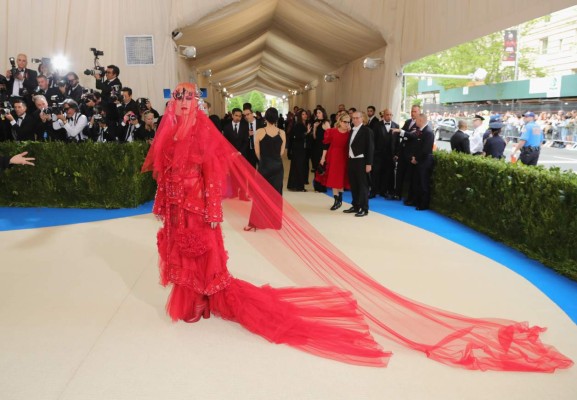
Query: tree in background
{"type": "Point", "coordinates": [254, 97]}
{"type": "Point", "coordinates": [464, 59]}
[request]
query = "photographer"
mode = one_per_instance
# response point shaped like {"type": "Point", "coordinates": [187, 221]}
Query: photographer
{"type": "Point", "coordinates": [21, 80]}
{"type": "Point", "coordinates": [22, 124]}
{"type": "Point", "coordinates": [144, 105]}
{"type": "Point", "coordinates": [128, 127]}
{"type": "Point", "coordinates": [128, 104]}
{"type": "Point", "coordinates": [87, 105]}
{"type": "Point", "coordinates": [44, 87]}
{"type": "Point", "coordinates": [73, 90]}
{"type": "Point", "coordinates": [108, 84]}
{"type": "Point", "coordinates": [101, 130]}
{"type": "Point", "coordinates": [45, 130]}
{"type": "Point", "coordinates": [71, 121]}
{"type": "Point", "coordinates": [148, 129]}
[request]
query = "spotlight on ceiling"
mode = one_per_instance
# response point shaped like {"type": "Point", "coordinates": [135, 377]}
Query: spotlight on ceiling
{"type": "Point", "coordinates": [187, 51]}
{"type": "Point", "coordinates": [372, 63]}
{"type": "Point", "coordinates": [331, 77]}
{"type": "Point", "coordinates": [207, 73]}
{"type": "Point", "coordinates": [176, 35]}
{"type": "Point", "coordinates": [308, 86]}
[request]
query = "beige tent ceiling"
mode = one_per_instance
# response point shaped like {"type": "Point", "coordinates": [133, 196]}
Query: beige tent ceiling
{"type": "Point", "coordinates": [276, 45]}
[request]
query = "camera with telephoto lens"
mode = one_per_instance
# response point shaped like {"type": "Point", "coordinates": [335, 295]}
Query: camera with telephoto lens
{"type": "Point", "coordinates": [55, 108]}
{"type": "Point", "coordinates": [97, 68]}
{"type": "Point", "coordinates": [13, 70]}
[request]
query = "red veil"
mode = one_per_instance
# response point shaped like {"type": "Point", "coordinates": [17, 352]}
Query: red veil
{"type": "Point", "coordinates": [299, 251]}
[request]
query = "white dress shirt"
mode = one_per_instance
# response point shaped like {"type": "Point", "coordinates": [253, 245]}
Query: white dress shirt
{"type": "Point", "coordinates": [353, 135]}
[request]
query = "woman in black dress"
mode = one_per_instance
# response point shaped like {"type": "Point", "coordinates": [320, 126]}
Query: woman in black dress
{"type": "Point", "coordinates": [269, 146]}
{"type": "Point", "coordinates": [320, 125]}
{"type": "Point", "coordinates": [297, 153]}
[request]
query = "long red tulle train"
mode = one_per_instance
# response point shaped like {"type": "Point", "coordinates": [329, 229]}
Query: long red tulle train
{"type": "Point", "coordinates": [324, 321]}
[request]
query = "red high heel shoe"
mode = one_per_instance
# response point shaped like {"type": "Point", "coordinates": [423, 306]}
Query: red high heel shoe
{"type": "Point", "coordinates": [249, 228]}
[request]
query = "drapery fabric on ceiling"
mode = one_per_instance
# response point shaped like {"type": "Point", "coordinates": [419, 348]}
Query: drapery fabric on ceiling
{"type": "Point", "coordinates": [269, 45]}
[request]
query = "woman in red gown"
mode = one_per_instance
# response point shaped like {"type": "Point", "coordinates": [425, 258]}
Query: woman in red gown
{"type": "Point", "coordinates": [193, 164]}
{"type": "Point", "coordinates": [335, 157]}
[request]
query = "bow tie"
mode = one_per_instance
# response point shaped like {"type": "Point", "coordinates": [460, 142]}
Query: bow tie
{"type": "Point", "coordinates": [387, 123]}
{"type": "Point", "coordinates": [69, 119]}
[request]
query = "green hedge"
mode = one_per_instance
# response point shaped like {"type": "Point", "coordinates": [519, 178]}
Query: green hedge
{"type": "Point", "coordinates": [83, 175]}
{"type": "Point", "coordinates": [529, 208]}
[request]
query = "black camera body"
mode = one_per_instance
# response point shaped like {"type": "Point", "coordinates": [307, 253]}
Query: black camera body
{"type": "Point", "coordinates": [97, 53]}
{"type": "Point", "coordinates": [132, 117]}
{"type": "Point", "coordinates": [142, 103]}
{"type": "Point", "coordinates": [13, 69]}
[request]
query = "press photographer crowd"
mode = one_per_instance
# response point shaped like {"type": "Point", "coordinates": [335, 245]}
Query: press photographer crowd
{"type": "Point", "coordinates": [43, 105]}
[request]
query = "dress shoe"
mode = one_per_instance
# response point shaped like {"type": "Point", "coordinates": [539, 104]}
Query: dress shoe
{"type": "Point", "coordinates": [409, 203]}
{"type": "Point", "coordinates": [362, 213]}
{"type": "Point", "coordinates": [350, 210]}
{"type": "Point", "coordinates": [395, 197]}
{"type": "Point", "coordinates": [422, 208]}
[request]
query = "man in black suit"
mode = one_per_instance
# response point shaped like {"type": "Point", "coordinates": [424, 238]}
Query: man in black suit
{"type": "Point", "coordinates": [110, 83]}
{"type": "Point", "coordinates": [403, 154]}
{"type": "Point", "coordinates": [73, 89]}
{"type": "Point", "coordinates": [252, 125]}
{"type": "Point", "coordinates": [373, 119]}
{"type": "Point", "coordinates": [460, 140]}
{"type": "Point", "coordinates": [24, 79]}
{"type": "Point", "coordinates": [22, 124]}
{"type": "Point", "coordinates": [237, 134]}
{"type": "Point", "coordinates": [128, 105]}
{"type": "Point", "coordinates": [383, 165]}
{"type": "Point", "coordinates": [422, 159]}
{"type": "Point", "coordinates": [361, 149]}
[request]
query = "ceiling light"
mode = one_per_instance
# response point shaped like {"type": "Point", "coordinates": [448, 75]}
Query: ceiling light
{"type": "Point", "coordinates": [331, 77]}
{"type": "Point", "coordinates": [176, 35]}
{"type": "Point", "coordinates": [372, 63]}
{"type": "Point", "coordinates": [187, 51]}
{"type": "Point", "coordinates": [308, 86]}
{"type": "Point", "coordinates": [207, 73]}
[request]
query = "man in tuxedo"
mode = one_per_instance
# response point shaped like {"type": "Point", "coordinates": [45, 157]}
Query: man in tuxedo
{"type": "Point", "coordinates": [422, 159]}
{"type": "Point", "coordinates": [73, 89]}
{"type": "Point", "coordinates": [22, 124]}
{"type": "Point", "coordinates": [403, 154]}
{"type": "Point", "coordinates": [383, 164]}
{"type": "Point", "coordinates": [361, 149]}
{"type": "Point", "coordinates": [237, 134]}
{"type": "Point", "coordinates": [460, 140]}
{"type": "Point", "coordinates": [373, 119]}
{"type": "Point", "coordinates": [45, 89]}
{"type": "Point", "coordinates": [252, 125]}
{"type": "Point", "coordinates": [24, 79]}
{"type": "Point", "coordinates": [110, 83]}
{"type": "Point", "coordinates": [128, 105]}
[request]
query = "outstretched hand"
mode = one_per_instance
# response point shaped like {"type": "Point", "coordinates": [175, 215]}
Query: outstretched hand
{"type": "Point", "coordinates": [21, 159]}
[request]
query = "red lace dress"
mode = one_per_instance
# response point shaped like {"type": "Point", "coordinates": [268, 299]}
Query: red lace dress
{"type": "Point", "coordinates": [321, 320]}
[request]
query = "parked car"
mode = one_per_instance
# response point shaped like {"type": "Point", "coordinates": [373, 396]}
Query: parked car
{"type": "Point", "coordinates": [446, 128]}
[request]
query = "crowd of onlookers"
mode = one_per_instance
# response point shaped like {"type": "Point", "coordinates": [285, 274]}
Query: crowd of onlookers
{"type": "Point", "coordinates": [560, 125]}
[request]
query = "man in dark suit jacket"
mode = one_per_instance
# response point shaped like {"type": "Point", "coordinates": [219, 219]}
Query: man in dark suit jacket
{"type": "Point", "coordinates": [361, 151]}
{"type": "Point", "coordinates": [422, 159]}
{"type": "Point", "coordinates": [24, 79]}
{"type": "Point", "coordinates": [404, 152]}
{"type": "Point", "coordinates": [460, 140]}
{"type": "Point", "coordinates": [383, 171]}
{"type": "Point", "coordinates": [374, 122]}
{"type": "Point", "coordinates": [252, 124]}
{"type": "Point", "coordinates": [22, 123]}
{"type": "Point", "coordinates": [237, 134]}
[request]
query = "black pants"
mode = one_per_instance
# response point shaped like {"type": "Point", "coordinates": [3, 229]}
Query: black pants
{"type": "Point", "coordinates": [530, 158]}
{"type": "Point", "coordinates": [422, 182]}
{"type": "Point", "coordinates": [405, 172]}
{"type": "Point", "coordinates": [359, 182]}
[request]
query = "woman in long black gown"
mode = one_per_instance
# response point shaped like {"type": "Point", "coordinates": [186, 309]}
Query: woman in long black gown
{"type": "Point", "coordinates": [297, 151]}
{"type": "Point", "coordinates": [269, 146]}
